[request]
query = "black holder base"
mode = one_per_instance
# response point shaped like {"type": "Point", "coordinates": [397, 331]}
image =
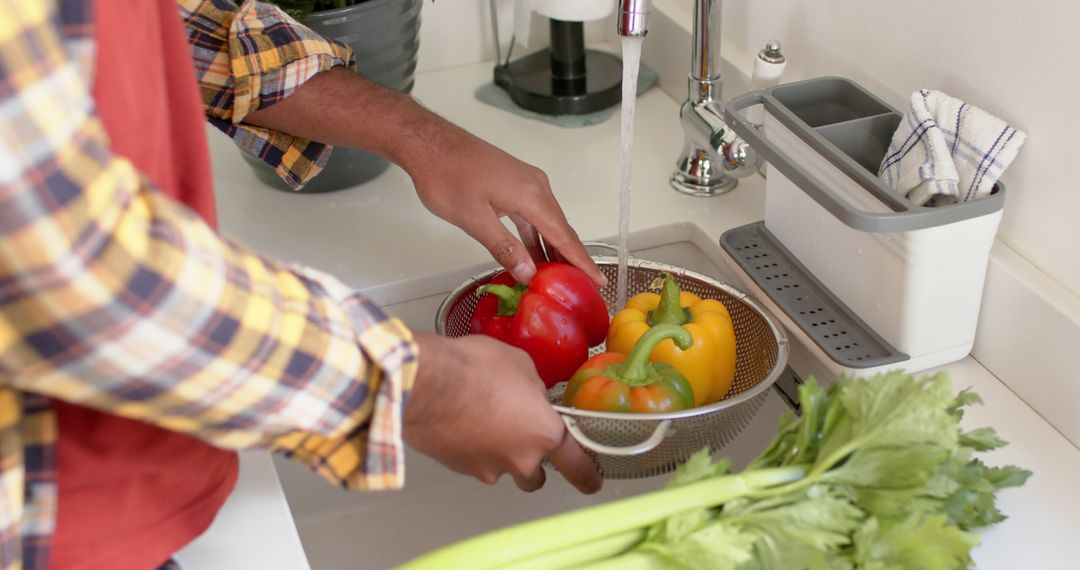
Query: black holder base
{"type": "Point", "coordinates": [565, 79]}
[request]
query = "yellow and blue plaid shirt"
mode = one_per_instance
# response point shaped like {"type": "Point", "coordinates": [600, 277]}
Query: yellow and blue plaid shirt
{"type": "Point", "coordinates": [116, 298]}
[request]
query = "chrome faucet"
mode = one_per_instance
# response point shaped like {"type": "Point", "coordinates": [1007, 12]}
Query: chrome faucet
{"type": "Point", "coordinates": [713, 157]}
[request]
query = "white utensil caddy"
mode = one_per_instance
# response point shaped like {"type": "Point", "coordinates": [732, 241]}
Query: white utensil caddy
{"type": "Point", "coordinates": [913, 275]}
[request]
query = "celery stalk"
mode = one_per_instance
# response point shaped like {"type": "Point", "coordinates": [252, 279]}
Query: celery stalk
{"type": "Point", "coordinates": [628, 561]}
{"type": "Point", "coordinates": [522, 542]}
{"type": "Point", "coordinates": [579, 554]}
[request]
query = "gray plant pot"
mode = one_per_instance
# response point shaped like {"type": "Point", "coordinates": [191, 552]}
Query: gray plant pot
{"type": "Point", "coordinates": [385, 34]}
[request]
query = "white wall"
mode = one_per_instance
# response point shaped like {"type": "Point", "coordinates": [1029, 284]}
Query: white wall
{"type": "Point", "coordinates": [1019, 61]}
{"type": "Point", "coordinates": [1016, 60]}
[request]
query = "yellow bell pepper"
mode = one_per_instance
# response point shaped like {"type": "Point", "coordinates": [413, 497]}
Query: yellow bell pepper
{"type": "Point", "coordinates": [709, 364]}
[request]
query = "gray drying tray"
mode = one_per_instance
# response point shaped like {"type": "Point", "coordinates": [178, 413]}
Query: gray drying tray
{"type": "Point", "coordinates": [836, 330]}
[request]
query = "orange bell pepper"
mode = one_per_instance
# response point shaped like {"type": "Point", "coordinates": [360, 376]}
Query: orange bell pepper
{"type": "Point", "coordinates": [708, 364]}
{"type": "Point", "coordinates": [616, 382]}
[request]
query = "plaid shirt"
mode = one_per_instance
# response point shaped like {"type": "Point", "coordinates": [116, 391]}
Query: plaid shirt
{"type": "Point", "coordinates": [117, 298]}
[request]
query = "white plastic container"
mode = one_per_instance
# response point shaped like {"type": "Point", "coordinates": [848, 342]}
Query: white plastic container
{"type": "Point", "coordinates": [912, 274]}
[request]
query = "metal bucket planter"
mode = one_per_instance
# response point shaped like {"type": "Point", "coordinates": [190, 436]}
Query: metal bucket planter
{"type": "Point", "coordinates": [385, 34]}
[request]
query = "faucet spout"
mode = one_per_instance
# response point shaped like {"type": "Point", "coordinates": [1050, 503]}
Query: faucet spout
{"type": "Point", "coordinates": [633, 18]}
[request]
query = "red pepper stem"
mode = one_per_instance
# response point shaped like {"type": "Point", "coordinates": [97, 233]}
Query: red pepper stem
{"type": "Point", "coordinates": [669, 311]}
{"type": "Point", "coordinates": [509, 297]}
{"type": "Point", "coordinates": [636, 370]}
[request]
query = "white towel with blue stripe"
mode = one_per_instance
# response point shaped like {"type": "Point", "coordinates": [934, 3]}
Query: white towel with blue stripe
{"type": "Point", "coordinates": [946, 151]}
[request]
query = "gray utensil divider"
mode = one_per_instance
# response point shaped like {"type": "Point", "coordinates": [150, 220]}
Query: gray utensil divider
{"type": "Point", "coordinates": [851, 128]}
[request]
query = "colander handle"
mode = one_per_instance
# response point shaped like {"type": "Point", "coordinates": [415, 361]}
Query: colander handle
{"type": "Point", "coordinates": [649, 444]}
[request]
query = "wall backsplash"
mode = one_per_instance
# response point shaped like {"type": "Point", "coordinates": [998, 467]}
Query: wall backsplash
{"type": "Point", "coordinates": [992, 55]}
{"type": "Point", "coordinates": [987, 52]}
{"type": "Point", "coordinates": [1016, 62]}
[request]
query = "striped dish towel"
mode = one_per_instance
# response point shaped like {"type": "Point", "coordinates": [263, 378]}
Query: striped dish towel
{"type": "Point", "coordinates": [946, 151]}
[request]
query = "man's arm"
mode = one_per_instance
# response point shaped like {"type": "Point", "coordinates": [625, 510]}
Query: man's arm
{"type": "Point", "coordinates": [250, 56]}
{"type": "Point", "coordinates": [471, 184]}
{"type": "Point", "coordinates": [114, 297]}
{"type": "Point", "coordinates": [459, 177]}
{"type": "Point", "coordinates": [262, 85]}
{"type": "Point", "coordinates": [258, 85]}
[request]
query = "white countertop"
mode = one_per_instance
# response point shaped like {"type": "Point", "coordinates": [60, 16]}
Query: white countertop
{"type": "Point", "coordinates": [379, 238]}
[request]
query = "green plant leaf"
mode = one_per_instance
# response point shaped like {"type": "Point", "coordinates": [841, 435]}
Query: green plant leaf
{"type": "Point", "coordinates": [716, 546]}
{"type": "Point", "coordinates": [699, 466]}
{"type": "Point", "coordinates": [805, 530]}
{"type": "Point", "coordinates": [964, 399]}
{"type": "Point", "coordinates": [1007, 476]}
{"type": "Point", "coordinates": [798, 437]}
{"type": "Point", "coordinates": [972, 503]}
{"type": "Point", "coordinates": [891, 467]}
{"type": "Point", "coordinates": [919, 541]}
{"type": "Point", "coordinates": [893, 409]}
{"type": "Point", "coordinates": [298, 9]}
{"type": "Point", "coordinates": [981, 439]}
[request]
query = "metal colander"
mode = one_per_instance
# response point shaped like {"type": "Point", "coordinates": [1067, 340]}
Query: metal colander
{"type": "Point", "coordinates": [630, 446]}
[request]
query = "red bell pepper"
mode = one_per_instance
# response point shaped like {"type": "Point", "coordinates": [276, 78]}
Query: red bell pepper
{"type": "Point", "coordinates": [555, 319]}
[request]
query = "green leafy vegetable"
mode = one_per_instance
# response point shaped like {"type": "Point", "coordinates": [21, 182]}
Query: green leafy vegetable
{"type": "Point", "coordinates": [927, 542]}
{"type": "Point", "coordinates": [876, 474]}
{"type": "Point", "coordinates": [300, 9]}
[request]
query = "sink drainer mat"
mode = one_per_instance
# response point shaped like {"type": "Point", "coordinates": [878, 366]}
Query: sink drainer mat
{"type": "Point", "coordinates": [837, 331]}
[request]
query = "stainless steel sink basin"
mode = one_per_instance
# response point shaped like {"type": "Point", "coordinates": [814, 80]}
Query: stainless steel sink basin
{"type": "Point", "coordinates": [380, 530]}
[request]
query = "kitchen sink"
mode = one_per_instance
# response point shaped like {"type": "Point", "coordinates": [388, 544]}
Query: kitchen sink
{"type": "Point", "coordinates": [341, 529]}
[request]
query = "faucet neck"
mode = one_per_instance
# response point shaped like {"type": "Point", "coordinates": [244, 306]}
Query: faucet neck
{"type": "Point", "coordinates": [703, 90]}
{"type": "Point", "coordinates": [705, 51]}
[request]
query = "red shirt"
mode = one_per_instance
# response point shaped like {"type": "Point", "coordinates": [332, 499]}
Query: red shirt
{"type": "Point", "coordinates": [130, 494]}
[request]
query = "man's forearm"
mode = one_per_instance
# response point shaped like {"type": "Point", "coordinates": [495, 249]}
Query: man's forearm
{"type": "Point", "coordinates": [459, 177]}
{"type": "Point", "coordinates": [339, 107]}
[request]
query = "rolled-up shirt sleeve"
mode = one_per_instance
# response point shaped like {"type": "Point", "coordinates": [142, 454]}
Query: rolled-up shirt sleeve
{"type": "Point", "coordinates": [249, 57]}
{"type": "Point", "coordinates": [115, 297]}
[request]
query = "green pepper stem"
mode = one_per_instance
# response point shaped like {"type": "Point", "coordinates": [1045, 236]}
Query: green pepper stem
{"type": "Point", "coordinates": [509, 297]}
{"type": "Point", "coordinates": [669, 311]}
{"type": "Point", "coordinates": [636, 367]}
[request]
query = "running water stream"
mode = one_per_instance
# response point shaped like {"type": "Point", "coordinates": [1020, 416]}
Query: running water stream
{"type": "Point", "coordinates": [631, 60]}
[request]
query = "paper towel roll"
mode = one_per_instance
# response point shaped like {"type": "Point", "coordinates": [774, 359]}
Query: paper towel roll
{"type": "Point", "coordinates": [566, 10]}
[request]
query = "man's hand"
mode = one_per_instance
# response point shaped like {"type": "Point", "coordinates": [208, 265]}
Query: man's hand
{"type": "Point", "coordinates": [458, 176]}
{"type": "Point", "coordinates": [472, 184]}
{"type": "Point", "coordinates": [479, 408]}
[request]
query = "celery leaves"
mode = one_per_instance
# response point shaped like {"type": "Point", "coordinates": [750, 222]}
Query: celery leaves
{"type": "Point", "coordinates": [891, 482]}
{"type": "Point", "coordinates": [876, 474]}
